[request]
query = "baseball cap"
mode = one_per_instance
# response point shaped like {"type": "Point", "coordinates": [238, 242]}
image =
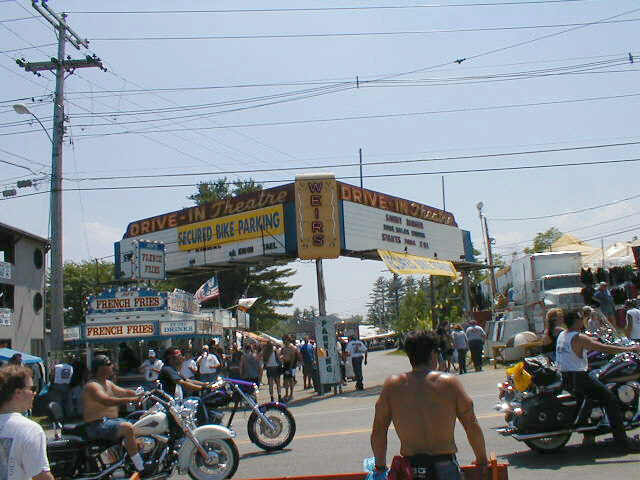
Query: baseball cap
{"type": "Point", "coordinates": [152, 353]}
{"type": "Point", "coordinates": [100, 361]}
{"type": "Point", "coordinates": [602, 284]}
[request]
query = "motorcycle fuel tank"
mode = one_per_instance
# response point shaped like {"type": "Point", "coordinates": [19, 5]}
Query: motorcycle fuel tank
{"type": "Point", "coordinates": [154, 423]}
{"type": "Point", "coordinates": [622, 367]}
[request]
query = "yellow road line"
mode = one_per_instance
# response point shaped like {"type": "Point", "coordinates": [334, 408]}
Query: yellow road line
{"type": "Point", "coordinates": [355, 432]}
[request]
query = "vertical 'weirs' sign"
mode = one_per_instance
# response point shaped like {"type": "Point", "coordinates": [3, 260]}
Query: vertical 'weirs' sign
{"type": "Point", "coordinates": [317, 215]}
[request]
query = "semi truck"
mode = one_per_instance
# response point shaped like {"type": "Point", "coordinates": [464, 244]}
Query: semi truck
{"type": "Point", "coordinates": [532, 285]}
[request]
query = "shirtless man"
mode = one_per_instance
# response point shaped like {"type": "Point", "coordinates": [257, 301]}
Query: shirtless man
{"type": "Point", "coordinates": [423, 405]}
{"type": "Point", "coordinates": [101, 400]}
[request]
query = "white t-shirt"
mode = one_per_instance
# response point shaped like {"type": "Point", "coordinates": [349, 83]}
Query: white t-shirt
{"type": "Point", "coordinates": [356, 349]}
{"type": "Point", "coordinates": [209, 363]}
{"type": "Point", "coordinates": [62, 374]}
{"type": "Point", "coordinates": [23, 448]}
{"type": "Point", "coordinates": [634, 317]}
{"type": "Point", "coordinates": [185, 369]}
{"type": "Point", "coordinates": [149, 366]}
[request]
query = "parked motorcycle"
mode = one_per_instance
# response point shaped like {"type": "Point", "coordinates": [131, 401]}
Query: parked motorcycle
{"type": "Point", "coordinates": [544, 418]}
{"type": "Point", "coordinates": [169, 440]}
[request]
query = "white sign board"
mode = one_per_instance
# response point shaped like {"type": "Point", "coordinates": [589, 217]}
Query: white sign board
{"type": "Point", "coordinates": [328, 362]}
{"type": "Point", "coordinates": [222, 241]}
{"type": "Point", "coordinates": [177, 328]}
{"type": "Point", "coordinates": [139, 259]}
{"type": "Point", "coordinates": [5, 271]}
{"type": "Point", "coordinates": [72, 333]}
{"type": "Point", "coordinates": [6, 314]}
{"type": "Point", "coordinates": [368, 228]}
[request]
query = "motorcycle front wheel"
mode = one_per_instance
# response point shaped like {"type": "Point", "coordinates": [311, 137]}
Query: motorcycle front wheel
{"type": "Point", "coordinates": [548, 444]}
{"type": "Point", "coordinates": [222, 461]}
{"type": "Point", "coordinates": [268, 438]}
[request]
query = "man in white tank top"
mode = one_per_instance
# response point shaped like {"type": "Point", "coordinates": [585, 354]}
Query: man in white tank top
{"type": "Point", "coordinates": [633, 320]}
{"type": "Point", "coordinates": [571, 357]}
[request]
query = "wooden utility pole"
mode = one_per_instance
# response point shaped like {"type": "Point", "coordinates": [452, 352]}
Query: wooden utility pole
{"type": "Point", "coordinates": [61, 66]}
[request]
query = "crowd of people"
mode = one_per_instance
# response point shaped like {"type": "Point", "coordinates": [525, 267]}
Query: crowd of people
{"type": "Point", "coordinates": [455, 342]}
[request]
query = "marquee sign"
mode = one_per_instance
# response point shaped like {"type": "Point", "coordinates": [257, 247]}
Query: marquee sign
{"type": "Point", "coordinates": [368, 228]}
{"type": "Point", "coordinates": [317, 216]}
{"type": "Point", "coordinates": [209, 211]}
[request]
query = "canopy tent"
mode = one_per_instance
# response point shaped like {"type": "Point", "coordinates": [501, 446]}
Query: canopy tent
{"type": "Point", "coordinates": [7, 353]}
{"type": "Point", "coordinates": [615, 255]}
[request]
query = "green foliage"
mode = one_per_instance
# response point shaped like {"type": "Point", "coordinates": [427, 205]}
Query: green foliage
{"type": "Point", "coordinates": [221, 189]}
{"type": "Point", "coordinates": [81, 280]}
{"type": "Point", "coordinates": [543, 240]}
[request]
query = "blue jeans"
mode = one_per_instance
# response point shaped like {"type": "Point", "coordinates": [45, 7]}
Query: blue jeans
{"type": "Point", "coordinates": [357, 370]}
{"type": "Point", "coordinates": [105, 429]}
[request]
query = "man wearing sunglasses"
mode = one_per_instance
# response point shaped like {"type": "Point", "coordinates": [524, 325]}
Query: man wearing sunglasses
{"type": "Point", "coordinates": [23, 444]}
{"type": "Point", "coordinates": [101, 399]}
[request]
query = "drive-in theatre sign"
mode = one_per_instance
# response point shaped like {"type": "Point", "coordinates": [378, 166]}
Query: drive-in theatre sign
{"type": "Point", "coordinates": [315, 217]}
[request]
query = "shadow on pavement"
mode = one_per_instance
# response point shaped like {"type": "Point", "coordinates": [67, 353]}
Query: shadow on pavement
{"type": "Point", "coordinates": [367, 392]}
{"type": "Point", "coordinates": [574, 455]}
{"type": "Point", "coordinates": [262, 453]}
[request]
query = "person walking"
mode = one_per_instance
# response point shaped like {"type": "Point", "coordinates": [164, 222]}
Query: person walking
{"type": "Point", "coordinates": [23, 443]}
{"type": "Point", "coordinates": [476, 337]}
{"type": "Point", "coordinates": [150, 368]}
{"type": "Point", "coordinates": [308, 359]}
{"type": "Point", "coordinates": [632, 329]}
{"type": "Point", "coordinates": [188, 370]}
{"type": "Point", "coordinates": [423, 405]}
{"type": "Point", "coordinates": [357, 352]}
{"type": "Point", "coordinates": [249, 365]}
{"type": "Point", "coordinates": [59, 390]}
{"type": "Point", "coordinates": [605, 301]}
{"type": "Point", "coordinates": [289, 358]}
{"type": "Point", "coordinates": [461, 345]}
{"type": "Point", "coordinates": [272, 364]}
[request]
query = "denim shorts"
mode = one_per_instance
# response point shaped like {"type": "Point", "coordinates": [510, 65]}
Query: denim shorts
{"type": "Point", "coordinates": [105, 429]}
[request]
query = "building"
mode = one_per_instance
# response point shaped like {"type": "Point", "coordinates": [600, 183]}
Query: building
{"type": "Point", "coordinates": [22, 281]}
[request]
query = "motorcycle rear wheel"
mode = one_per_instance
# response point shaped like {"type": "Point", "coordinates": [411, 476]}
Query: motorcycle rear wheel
{"type": "Point", "coordinates": [548, 444]}
{"type": "Point", "coordinates": [226, 466]}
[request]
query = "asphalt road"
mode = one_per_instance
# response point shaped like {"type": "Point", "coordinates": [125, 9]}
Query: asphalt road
{"type": "Point", "coordinates": [333, 435]}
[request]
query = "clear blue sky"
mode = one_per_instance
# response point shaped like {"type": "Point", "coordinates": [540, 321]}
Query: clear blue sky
{"type": "Point", "coordinates": [483, 104]}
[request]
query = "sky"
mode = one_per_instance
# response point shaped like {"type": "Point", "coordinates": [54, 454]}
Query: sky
{"type": "Point", "coordinates": [306, 84]}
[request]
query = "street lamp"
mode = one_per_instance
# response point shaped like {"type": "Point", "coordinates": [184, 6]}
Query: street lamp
{"type": "Point", "coordinates": [55, 213]}
{"type": "Point", "coordinates": [488, 241]}
{"type": "Point", "coordinates": [21, 109]}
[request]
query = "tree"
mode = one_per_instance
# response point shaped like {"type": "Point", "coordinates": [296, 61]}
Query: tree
{"type": "Point", "coordinates": [80, 280]}
{"type": "Point", "coordinates": [543, 240]}
{"type": "Point", "coordinates": [222, 188]}
{"type": "Point", "coordinates": [378, 305]}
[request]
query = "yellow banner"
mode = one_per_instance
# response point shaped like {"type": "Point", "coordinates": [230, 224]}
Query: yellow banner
{"type": "Point", "coordinates": [317, 216]}
{"type": "Point", "coordinates": [403, 263]}
{"type": "Point", "coordinates": [234, 228]}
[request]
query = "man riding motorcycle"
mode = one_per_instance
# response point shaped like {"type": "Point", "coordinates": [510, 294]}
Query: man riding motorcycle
{"type": "Point", "coordinates": [101, 399]}
{"type": "Point", "coordinates": [571, 357]}
{"type": "Point", "coordinates": [171, 379]}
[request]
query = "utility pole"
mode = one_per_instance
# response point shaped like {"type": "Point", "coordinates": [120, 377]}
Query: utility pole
{"type": "Point", "coordinates": [360, 157]}
{"type": "Point", "coordinates": [490, 254]}
{"type": "Point", "coordinates": [61, 65]}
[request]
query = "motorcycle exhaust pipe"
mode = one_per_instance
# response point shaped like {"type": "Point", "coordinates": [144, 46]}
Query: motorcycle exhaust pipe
{"type": "Point", "coordinates": [533, 436]}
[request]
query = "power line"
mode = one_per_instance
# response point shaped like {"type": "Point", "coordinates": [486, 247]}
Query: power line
{"type": "Point", "coordinates": [28, 48]}
{"type": "Point", "coordinates": [349, 118]}
{"type": "Point", "coordinates": [368, 164]}
{"type": "Point", "coordinates": [355, 34]}
{"type": "Point", "coordinates": [324, 9]}
{"type": "Point", "coordinates": [572, 212]}
{"type": "Point", "coordinates": [382, 175]}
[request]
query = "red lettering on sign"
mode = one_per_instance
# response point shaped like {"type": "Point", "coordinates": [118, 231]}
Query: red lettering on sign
{"type": "Point", "coordinates": [318, 240]}
{"type": "Point", "coordinates": [317, 227]}
{"type": "Point", "coordinates": [316, 200]}
{"type": "Point", "coordinates": [315, 187]}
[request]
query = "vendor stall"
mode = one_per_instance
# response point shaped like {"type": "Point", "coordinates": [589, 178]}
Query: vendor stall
{"type": "Point", "coordinates": [139, 318]}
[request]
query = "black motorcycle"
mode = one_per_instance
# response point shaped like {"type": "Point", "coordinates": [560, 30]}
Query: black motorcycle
{"type": "Point", "coordinates": [544, 418]}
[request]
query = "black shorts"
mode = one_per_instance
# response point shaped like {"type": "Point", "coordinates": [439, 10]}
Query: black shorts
{"type": "Point", "coordinates": [274, 372]}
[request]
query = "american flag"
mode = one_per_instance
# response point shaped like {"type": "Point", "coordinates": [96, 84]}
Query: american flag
{"type": "Point", "coordinates": [209, 290]}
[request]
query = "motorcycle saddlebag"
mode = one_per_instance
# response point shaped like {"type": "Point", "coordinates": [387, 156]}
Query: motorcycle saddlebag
{"type": "Point", "coordinates": [545, 415]}
{"type": "Point", "coordinates": [63, 455]}
{"type": "Point", "coordinates": [541, 375]}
